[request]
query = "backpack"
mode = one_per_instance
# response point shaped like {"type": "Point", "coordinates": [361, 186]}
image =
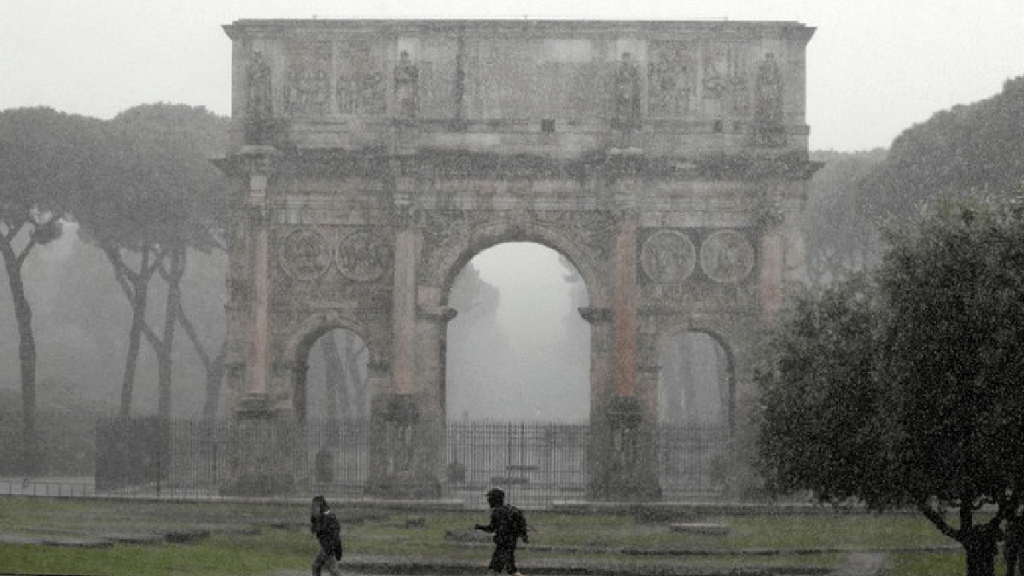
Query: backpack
{"type": "Point", "coordinates": [518, 521]}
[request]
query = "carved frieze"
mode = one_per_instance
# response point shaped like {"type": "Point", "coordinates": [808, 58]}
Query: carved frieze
{"type": "Point", "coordinates": [258, 102]}
{"type": "Point", "coordinates": [407, 77]}
{"type": "Point", "coordinates": [307, 90]}
{"type": "Point", "coordinates": [361, 87]}
{"type": "Point", "coordinates": [769, 129]}
{"type": "Point", "coordinates": [668, 256]}
{"type": "Point", "coordinates": [672, 74]}
{"type": "Point", "coordinates": [724, 70]}
{"type": "Point", "coordinates": [362, 256]}
{"type": "Point", "coordinates": [305, 254]}
{"type": "Point", "coordinates": [726, 256]}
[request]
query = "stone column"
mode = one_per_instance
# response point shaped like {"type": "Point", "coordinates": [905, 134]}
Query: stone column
{"type": "Point", "coordinates": [772, 248]}
{"type": "Point", "coordinates": [408, 413]}
{"type": "Point", "coordinates": [627, 428]}
{"type": "Point", "coordinates": [262, 440]}
{"type": "Point", "coordinates": [403, 307]}
{"type": "Point", "coordinates": [260, 159]}
{"type": "Point", "coordinates": [624, 312]}
{"type": "Point", "coordinates": [431, 349]}
{"type": "Point", "coordinates": [602, 361]}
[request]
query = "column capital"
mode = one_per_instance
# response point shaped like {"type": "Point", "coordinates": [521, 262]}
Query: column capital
{"type": "Point", "coordinates": [596, 315]}
{"type": "Point", "coordinates": [436, 313]}
{"type": "Point", "coordinates": [404, 214]}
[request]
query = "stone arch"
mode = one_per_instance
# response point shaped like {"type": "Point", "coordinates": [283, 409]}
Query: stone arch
{"type": "Point", "coordinates": [297, 346]}
{"type": "Point", "coordinates": [697, 456]}
{"type": "Point", "coordinates": [450, 259]}
{"type": "Point", "coordinates": [721, 339]}
{"type": "Point", "coordinates": [538, 356]}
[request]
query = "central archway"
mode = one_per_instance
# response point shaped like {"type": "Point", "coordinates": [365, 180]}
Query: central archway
{"type": "Point", "coordinates": [518, 385]}
{"type": "Point", "coordinates": [518, 349]}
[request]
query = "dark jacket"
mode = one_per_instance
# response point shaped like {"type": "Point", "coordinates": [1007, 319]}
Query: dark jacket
{"type": "Point", "coordinates": [328, 532]}
{"type": "Point", "coordinates": [504, 526]}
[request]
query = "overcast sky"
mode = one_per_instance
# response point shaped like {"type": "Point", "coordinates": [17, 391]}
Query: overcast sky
{"type": "Point", "coordinates": [875, 67]}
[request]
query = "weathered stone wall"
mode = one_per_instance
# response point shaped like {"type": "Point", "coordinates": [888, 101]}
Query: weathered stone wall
{"type": "Point", "coordinates": [551, 88]}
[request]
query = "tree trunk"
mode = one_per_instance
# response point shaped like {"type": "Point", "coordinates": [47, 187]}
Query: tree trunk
{"type": "Point", "coordinates": [137, 289]}
{"type": "Point", "coordinates": [165, 347]}
{"type": "Point", "coordinates": [980, 542]}
{"type": "Point", "coordinates": [981, 545]}
{"type": "Point", "coordinates": [26, 357]}
{"type": "Point", "coordinates": [214, 377]}
{"type": "Point", "coordinates": [214, 367]}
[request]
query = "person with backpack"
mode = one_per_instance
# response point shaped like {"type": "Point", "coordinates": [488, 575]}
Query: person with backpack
{"type": "Point", "coordinates": [324, 524]}
{"type": "Point", "coordinates": [508, 525]}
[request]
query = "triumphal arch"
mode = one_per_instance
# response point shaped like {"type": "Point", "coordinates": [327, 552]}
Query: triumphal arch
{"type": "Point", "coordinates": [370, 160]}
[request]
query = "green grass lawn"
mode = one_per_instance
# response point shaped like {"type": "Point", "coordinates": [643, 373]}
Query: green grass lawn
{"type": "Point", "coordinates": [267, 538]}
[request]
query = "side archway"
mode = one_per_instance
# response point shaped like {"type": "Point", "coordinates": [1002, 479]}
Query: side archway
{"type": "Point", "coordinates": [298, 347]}
{"type": "Point", "coordinates": [696, 389]}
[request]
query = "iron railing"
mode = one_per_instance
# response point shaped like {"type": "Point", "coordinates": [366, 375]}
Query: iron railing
{"type": "Point", "coordinates": [536, 463]}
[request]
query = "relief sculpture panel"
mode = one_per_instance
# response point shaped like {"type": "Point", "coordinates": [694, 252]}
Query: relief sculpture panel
{"type": "Point", "coordinates": [407, 78]}
{"type": "Point", "coordinates": [725, 87]}
{"type": "Point", "coordinates": [331, 264]}
{"type": "Point", "coordinates": [768, 122]}
{"type": "Point", "coordinates": [668, 256]}
{"type": "Point", "coordinates": [697, 269]}
{"type": "Point", "coordinates": [362, 256]}
{"type": "Point", "coordinates": [361, 85]}
{"type": "Point", "coordinates": [305, 254]}
{"type": "Point", "coordinates": [307, 90]}
{"type": "Point", "coordinates": [726, 256]}
{"type": "Point", "coordinates": [672, 73]}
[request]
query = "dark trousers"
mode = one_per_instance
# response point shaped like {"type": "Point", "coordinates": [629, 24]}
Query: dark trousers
{"type": "Point", "coordinates": [504, 559]}
{"type": "Point", "coordinates": [325, 560]}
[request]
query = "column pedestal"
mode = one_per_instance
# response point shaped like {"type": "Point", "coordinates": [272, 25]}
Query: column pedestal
{"type": "Point", "coordinates": [629, 471]}
{"type": "Point", "coordinates": [264, 451]}
{"type": "Point", "coordinates": [397, 469]}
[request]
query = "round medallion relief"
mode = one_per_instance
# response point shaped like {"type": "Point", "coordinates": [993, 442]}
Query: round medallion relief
{"type": "Point", "coordinates": [726, 256]}
{"type": "Point", "coordinates": [668, 256]}
{"type": "Point", "coordinates": [361, 257]}
{"type": "Point", "coordinates": [305, 255]}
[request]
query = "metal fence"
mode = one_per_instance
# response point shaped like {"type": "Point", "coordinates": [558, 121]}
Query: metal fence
{"type": "Point", "coordinates": [537, 463]}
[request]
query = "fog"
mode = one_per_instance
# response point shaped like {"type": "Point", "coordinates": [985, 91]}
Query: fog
{"type": "Point", "coordinates": [525, 356]}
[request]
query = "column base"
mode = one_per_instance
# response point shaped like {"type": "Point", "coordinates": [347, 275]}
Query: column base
{"type": "Point", "coordinates": [628, 469]}
{"type": "Point", "coordinates": [265, 451]}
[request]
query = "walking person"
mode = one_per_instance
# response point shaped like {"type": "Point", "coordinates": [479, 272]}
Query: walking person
{"type": "Point", "coordinates": [324, 524]}
{"type": "Point", "coordinates": [508, 525]}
